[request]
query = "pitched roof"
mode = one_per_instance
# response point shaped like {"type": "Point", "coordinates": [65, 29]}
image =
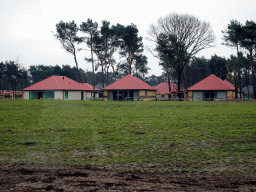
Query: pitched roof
{"type": "Point", "coordinates": [59, 83]}
{"type": "Point", "coordinates": [129, 82]}
{"type": "Point", "coordinates": [164, 88]}
{"type": "Point", "coordinates": [89, 87]}
{"type": "Point", "coordinates": [212, 83]}
{"type": "Point", "coordinates": [231, 85]}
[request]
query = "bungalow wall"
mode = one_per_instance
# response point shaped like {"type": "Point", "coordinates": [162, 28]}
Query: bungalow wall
{"type": "Point", "coordinates": [105, 95]}
{"type": "Point", "coordinates": [166, 96]}
{"type": "Point", "coordinates": [123, 95]}
{"type": "Point", "coordinates": [190, 95]}
{"type": "Point", "coordinates": [207, 95]}
{"type": "Point", "coordinates": [87, 95]}
{"type": "Point", "coordinates": [76, 95]}
{"type": "Point", "coordinates": [40, 94]}
{"type": "Point", "coordinates": [142, 93]}
{"type": "Point", "coordinates": [232, 94]}
{"type": "Point", "coordinates": [26, 95]}
{"type": "Point", "coordinates": [151, 93]}
{"type": "Point", "coordinates": [58, 95]}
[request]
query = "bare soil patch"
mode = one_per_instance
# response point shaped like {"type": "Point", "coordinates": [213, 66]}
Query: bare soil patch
{"type": "Point", "coordinates": [90, 178]}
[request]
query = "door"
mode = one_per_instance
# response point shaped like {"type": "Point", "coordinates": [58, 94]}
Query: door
{"type": "Point", "coordinates": [82, 95]}
{"type": "Point", "coordinates": [40, 95]}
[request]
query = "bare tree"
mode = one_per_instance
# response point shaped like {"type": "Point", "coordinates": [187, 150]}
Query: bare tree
{"type": "Point", "coordinates": [185, 35]}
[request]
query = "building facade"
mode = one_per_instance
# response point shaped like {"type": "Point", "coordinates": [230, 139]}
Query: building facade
{"type": "Point", "coordinates": [60, 88]}
{"type": "Point", "coordinates": [129, 88]}
{"type": "Point", "coordinates": [211, 88]}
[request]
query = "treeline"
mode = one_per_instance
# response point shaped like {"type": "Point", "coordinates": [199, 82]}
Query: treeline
{"type": "Point", "coordinates": [13, 77]}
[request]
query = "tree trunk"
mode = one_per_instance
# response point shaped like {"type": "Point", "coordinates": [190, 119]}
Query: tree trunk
{"type": "Point", "coordinates": [240, 85]}
{"type": "Point", "coordinates": [247, 79]}
{"type": "Point", "coordinates": [107, 76]}
{"type": "Point", "coordinates": [179, 81]}
{"type": "Point", "coordinates": [168, 79]}
{"type": "Point", "coordinates": [236, 90]}
{"type": "Point", "coordinates": [253, 75]}
{"type": "Point", "coordinates": [102, 75]}
{"type": "Point", "coordinates": [130, 68]}
{"type": "Point", "coordinates": [77, 68]}
{"type": "Point", "coordinates": [114, 73]}
{"type": "Point", "coordinates": [129, 59]}
{"type": "Point", "coordinates": [93, 75]}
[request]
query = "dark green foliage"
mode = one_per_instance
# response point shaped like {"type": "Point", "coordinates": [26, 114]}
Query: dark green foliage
{"type": "Point", "coordinates": [248, 36]}
{"type": "Point", "coordinates": [238, 35]}
{"type": "Point", "coordinates": [67, 36]}
{"type": "Point", "coordinates": [232, 35]}
{"type": "Point", "coordinates": [249, 43]}
{"type": "Point", "coordinates": [154, 80]}
{"type": "Point", "coordinates": [131, 47]}
{"type": "Point", "coordinates": [104, 43]}
{"type": "Point", "coordinates": [217, 66]}
{"type": "Point", "coordinates": [197, 71]}
{"type": "Point", "coordinates": [41, 72]}
{"type": "Point", "coordinates": [12, 77]}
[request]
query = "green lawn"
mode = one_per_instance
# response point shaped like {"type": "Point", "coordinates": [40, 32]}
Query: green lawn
{"type": "Point", "coordinates": [166, 136]}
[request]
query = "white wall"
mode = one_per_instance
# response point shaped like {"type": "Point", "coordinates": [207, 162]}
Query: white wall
{"type": "Point", "coordinates": [26, 95]}
{"type": "Point", "coordinates": [88, 95]}
{"type": "Point", "coordinates": [74, 95]}
{"type": "Point", "coordinates": [58, 95]}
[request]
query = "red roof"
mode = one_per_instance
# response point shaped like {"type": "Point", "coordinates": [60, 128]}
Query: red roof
{"type": "Point", "coordinates": [129, 82]}
{"type": "Point", "coordinates": [212, 83]}
{"type": "Point", "coordinates": [164, 88]}
{"type": "Point", "coordinates": [89, 87]}
{"type": "Point", "coordinates": [59, 83]}
{"type": "Point", "coordinates": [231, 85]}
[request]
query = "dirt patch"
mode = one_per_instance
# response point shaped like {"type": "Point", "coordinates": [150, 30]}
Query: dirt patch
{"type": "Point", "coordinates": [90, 178]}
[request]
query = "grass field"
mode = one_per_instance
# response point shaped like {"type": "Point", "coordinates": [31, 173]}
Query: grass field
{"type": "Point", "coordinates": [163, 136]}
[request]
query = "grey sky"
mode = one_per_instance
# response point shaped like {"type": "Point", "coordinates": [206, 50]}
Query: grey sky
{"type": "Point", "coordinates": [26, 26]}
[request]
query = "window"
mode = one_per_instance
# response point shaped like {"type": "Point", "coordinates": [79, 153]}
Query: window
{"type": "Point", "coordinates": [66, 94]}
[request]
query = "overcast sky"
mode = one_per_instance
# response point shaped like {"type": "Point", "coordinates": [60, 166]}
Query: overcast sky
{"type": "Point", "coordinates": [26, 26]}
